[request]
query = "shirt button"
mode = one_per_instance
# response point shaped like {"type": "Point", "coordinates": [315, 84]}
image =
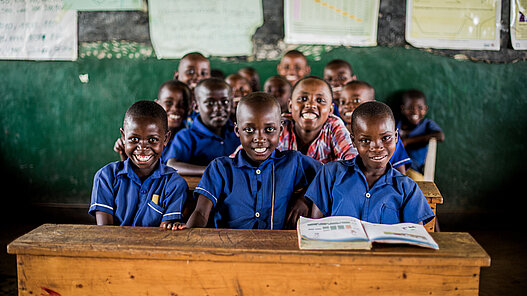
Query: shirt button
{"type": "Point", "coordinates": [143, 191]}
{"type": "Point", "coordinates": [368, 195]}
{"type": "Point", "coordinates": [222, 142]}
{"type": "Point", "coordinates": [258, 171]}
{"type": "Point", "coordinates": [257, 215]}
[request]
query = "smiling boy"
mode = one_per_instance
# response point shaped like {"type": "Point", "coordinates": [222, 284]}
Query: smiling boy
{"type": "Point", "coordinates": [255, 188]}
{"type": "Point", "coordinates": [211, 134]}
{"type": "Point", "coordinates": [140, 191]}
{"type": "Point", "coordinates": [293, 66]}
{"type": "Point", "coordinates": [367, 187]}
{"type": "Point", "coordinates": [193, 67]}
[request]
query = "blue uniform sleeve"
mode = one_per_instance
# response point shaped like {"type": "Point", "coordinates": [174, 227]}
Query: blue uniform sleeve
{"type": "Point", "coordinates": [307, 169]}
{"type": "Point", "coordinates": [432, 126]}
{"type": "Point", "coordinates": [212, 182]}
{"type": "Point", "coordinates": [181, 147]}
{"type": "Point", "coordinates": [415, 207]}
{"type": "Point", "coordinates": [174, 198]}
{"type": "Point", "coordinates": [319, 192]}
{"type": "Point", "coordinates": [400, 156]}
{"type": "Point", "coordinates": [102, 195]}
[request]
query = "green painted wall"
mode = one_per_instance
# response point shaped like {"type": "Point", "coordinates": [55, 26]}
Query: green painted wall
{"type": "Point", "coordinates": [57, 132]}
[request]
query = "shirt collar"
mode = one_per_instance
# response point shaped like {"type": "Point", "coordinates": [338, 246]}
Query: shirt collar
{"type": "Point", "coordinates": [242, 160]}
{"type": "Point", "coordinates": [199, 126]}
{"type": "Point", "coordinates": [386, 178]}
{"type": "Point", "coordinates": [160, 170]}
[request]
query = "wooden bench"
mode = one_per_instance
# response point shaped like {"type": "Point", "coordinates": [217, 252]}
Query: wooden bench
{"type": "Point", "coordinates": [111, 260]}
{"type": "Point", "coordinates": [430, 191]}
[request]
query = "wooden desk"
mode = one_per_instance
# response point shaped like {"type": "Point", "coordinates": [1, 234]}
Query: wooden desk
{"type": "Point", "coordinates": [430, 190]}
{"type": "Point", "coordinates": [112, 260]}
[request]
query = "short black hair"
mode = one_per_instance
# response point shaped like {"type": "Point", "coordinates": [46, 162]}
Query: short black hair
{"type": "Point", "coordinates": [146, 109]}
{"type": "Point", "coordinates": [371, 109]}
{"type": "Point", "coordinates": [295, 52]}
{"type": "Point", "coordinates": [340, 62]}
{"type": "Point", "coordinates": [212, 83]}
{"type": "Point", "coordinates": [178, 85]}
{"type": "Point", "coordinates": [413, 94]}
{"type": "Point", "coordinates": [316, 78]}
{"type": "Point", "coordinates": [279, 77]}
{"type": "Point", "coordinates": [257, 99]}
{"type": "Point", "coordinates": [359, 83]}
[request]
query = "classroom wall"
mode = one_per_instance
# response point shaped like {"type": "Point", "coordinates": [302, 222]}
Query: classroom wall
{"type": "Point", "coordinates": [57, 131]}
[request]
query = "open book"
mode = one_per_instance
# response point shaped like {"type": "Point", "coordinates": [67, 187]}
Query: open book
{"type": "Point", "coordinates": [343, 232]}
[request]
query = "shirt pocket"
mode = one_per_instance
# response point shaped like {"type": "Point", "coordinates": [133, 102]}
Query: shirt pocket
{"type": "Point", "coordinates": [389, 215]}
{"type": "Point", "coordinates": [153, 214]}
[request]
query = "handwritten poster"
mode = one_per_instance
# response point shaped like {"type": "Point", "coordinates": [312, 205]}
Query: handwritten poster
{"type": "Point", "coordinates": [212, 27]}
{"type": "Point", "coordinates": [519, 24]}
{"type": "Point", "coordinates": [37, 30]}
{"type": "Point", "coordinates": [468, 24]}
{"type": "Point", "coordinates": [100, 5]}
{"type": "Point", "coordinates": [335, 22]}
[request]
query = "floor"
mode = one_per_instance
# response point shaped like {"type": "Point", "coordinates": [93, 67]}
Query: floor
{"type": "Point", "coordinates": [507, 274]}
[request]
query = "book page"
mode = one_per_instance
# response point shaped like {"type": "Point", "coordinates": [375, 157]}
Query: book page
{"type": "Point", "coordinates": [468, 24]}
{"type": "Point", "coordinates": [338, 22]}
{"type": "Point", "coordinates": [337, 228]}
{"type": "Point", "coordinates": [408, 233]}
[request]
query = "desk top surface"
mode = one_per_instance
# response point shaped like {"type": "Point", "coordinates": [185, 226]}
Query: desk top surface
{"type": "Point", "coordinates": [456, 248]}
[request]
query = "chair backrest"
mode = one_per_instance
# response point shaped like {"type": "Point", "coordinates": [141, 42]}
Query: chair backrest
{"type": "Point", "coordinates": [430, 161]}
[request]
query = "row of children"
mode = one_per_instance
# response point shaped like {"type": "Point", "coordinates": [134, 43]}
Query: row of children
{"type": "Point", "coordinates": [265, 182]}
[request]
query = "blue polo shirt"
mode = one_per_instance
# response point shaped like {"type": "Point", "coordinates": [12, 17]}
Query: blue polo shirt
{"type": "Point", "coordinates": [198, 145]}
{"type": "Point", "coordinates": [340, 189]}
{"type": "Point", "coordinates": [400, 157]}
{"type": "Point", "coordinates": [418, 153]}
{"type": "Point", "coordinates": [242, 193]}
{"type": "Point", "coordinates": [117, 190]}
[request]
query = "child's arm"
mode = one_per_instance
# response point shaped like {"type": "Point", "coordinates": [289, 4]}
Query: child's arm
{"type": "Point", "coordinates": [316, 212]}
{"type": "Point", "coordinates": [119, 148]}
{"type": "Point", "coordinates": [299, 208]}
{"type": "Point", "coordinates": [200, 216]}
{"type": "Point", "coordinates": [423, 140]}
{"type": "Point", "coordinates": [103, 218]}
{"type": "Point", "coordinates": [186, 169]}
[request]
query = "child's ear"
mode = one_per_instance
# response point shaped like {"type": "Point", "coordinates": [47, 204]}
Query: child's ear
{"type": "Point", "coordinates": [396, 135]}
{"type": "Point", "coordinates": [176, 75]}
{"type": "Point", "coordinates": [122, 133]}
{"type": "Point", "coordinates": [281, 127]}
{"type": "Point", "coordinates": [167, 138]}
{"type": "Point", "coordinates": [308, 70]}
{"type": "Point", "coordinates": [236, 131]}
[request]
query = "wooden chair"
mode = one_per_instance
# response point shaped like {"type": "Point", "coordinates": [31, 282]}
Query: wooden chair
{"type": "Point", "coordinates": [430, 161]}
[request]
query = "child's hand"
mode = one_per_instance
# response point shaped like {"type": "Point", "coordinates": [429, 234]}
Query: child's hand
{"type": "Point", "coordinates": [299, 208]}
{"type": "Point", "coordinates": [119, 148]}
{"type": "Point", "coordinates": [172, 225]}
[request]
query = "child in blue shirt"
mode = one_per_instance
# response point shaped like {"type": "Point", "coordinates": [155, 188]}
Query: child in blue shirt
{"type": "Point", "coordinates": [140, 191]}
{"type": "Point", "coordinates": [367, 187]}
{"type": "Point", "coordinates": [415, 130]}
{"type": "Point", "coordinates": [210, 135]}
{"type": "Point", "coordinates": [255, 188]}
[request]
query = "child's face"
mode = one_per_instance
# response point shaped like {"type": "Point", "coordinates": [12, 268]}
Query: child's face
{"type": "Point", "coordinates": [311, 104]}
{"type": "Point", "coordinates": [144, 139]}
{"type": "Point", "coordinates": [174, 103]}
{"type": "Point", "coordinates": [280, 90]}
{"type": "Point", "coordinates": [252, 77]}
{"type": "Point", "coordinates": [240, 88]}
{"type": "Point", "coordinates": [293, 68]}
{"type": "Point", "coordinates": [337, 76]}
{"type": "Point", "coordinates": [414, 110]}
{"type": "Point", "coordinates": [375, 139]}
{"type": "Point", "coordinates": [192, 70]}
{"type": "Point", "coordinates": [214, 106]}
{"type": "Point", "coordinates": [259, 129]}
{"type": "Point", "coordinates": [352, 97]}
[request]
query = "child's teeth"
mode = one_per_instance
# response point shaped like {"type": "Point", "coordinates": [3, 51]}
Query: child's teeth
{"type": "Point", "coordinates": [290, 77]}
{"type": "Point", "coordinates": [143, 158]}
{"type": "Point", "coordinates": [260, 150]}
{"type": "Point", "coordinates": [309, 116]}
{"type": "Point", "coordinates": [337, 88]}
{"type": "Point", "coordinates": [174, 117]}
{"type": "Point", "coordinates": [348, 113]}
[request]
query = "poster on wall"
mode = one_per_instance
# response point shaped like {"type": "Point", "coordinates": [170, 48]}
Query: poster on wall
{"type": "Point", "coordinates": [446, 24]}
{"type": "Point", "coordinates": [519, 24]}
{"type": "Point", "coordinates": [333, 22]}
{"type": "Point", "coordinates": [212, 27]}
{"type": "Point", "coordinates": [101, 5]}
{"type": "Point", "coordinates": [37, 30]}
